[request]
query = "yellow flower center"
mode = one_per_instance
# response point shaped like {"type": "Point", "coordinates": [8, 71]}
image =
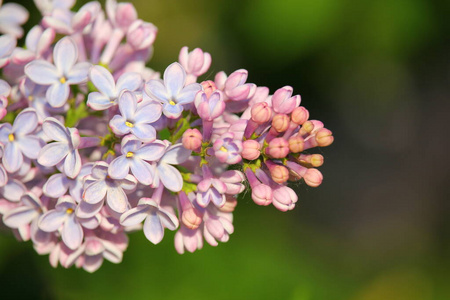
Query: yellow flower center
{"type": "Point", "coordinates": [11, 137]}
{"type": "Point", "coordinates": [129, 154]}
{"type": "Point", "coordinates": [62, 80]}
{"type": "Point", "coordinates": [30, 98]}
{"type": "Point", "coordinates": [171, 102]}
{"type": "Point", "coordinates": [223, 149]}
{"type": "Point", "coordinates": [69, 211]}
{"type": "Point", "coordinates": [129, 124]}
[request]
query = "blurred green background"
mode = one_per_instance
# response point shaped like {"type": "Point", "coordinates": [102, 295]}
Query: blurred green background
{"type": "Point", "coordinates": [377, 74]}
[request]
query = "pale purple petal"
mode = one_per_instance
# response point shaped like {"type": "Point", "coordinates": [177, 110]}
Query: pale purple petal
{"type": "Point", "coordinates": [56, 185]}
{"type": "Point", "coordinates": [143, 171]}
{"type": "Point", "coordinates": [54, 130]}
{"type": "Point", "coordinates": [117, 200]}
{"type": "Point", "coordinates": [30, 146]}
{"type": "Point", "coordinates": [152, 151]}
{"type": "Point", "coordinates": [103, 81]}
{"type": "Point", "coordinates": [65, 54]}
{"type": "Point", "coordinates": [155, 88]}
{"type": "Point", "coordinates": [119, 167]}
{"type": "Point", "coordinates": [128, 183]}
{"type": "Point", "coordinates": [79, 73]}
{"type": "Point", "coordinates": [3, 176]}
{"type": "Point", "coordinates": [149, 113]}
{"type": "Point", "coordinates": [94, 247]}
{"type": "Point", "coordinates": [13, 190]}
{"type": "Point", "coordinates": [169, 220]}
{"type": "Point", "coordinates": [170, 177]}
{"type": "Point", "coordinates": [188, 93]}
{"type": "Point", "coordinates": [98, 101]}
{"type": "Point", "coordinates": [129, 81]}
{"type": "Point", "coordinates": [72, 233]}
{"type": "Point", "coordinates": [86, 210]}
{"type": "Point", "coordinates": [176, 155]}
{"type": "Point", "coordinates": [42, 72]}
{"type": "Point", "coordinates": [19, 216]}
{"type": "Point", "coordinates": [174, 79]}
{"type": "Point", "coordinates": [172, 111]}
{"type": "Point", "coordinates": [92, 263]}
{"type": "Point", "coordinates": [90, 223]}
{"type": "Point", "coordinates": [25, 122]}
{"type": "Point", "coordinates": [118, 125]}
{"type": "Point", "coordinates": [127, 105]}
{"type": "Point", "coordinates": [100, 170]}
{"type": "Point", "coordinates": [95, 192]}
{"type": "Point", "coordinates": [144, 132]}
{"type": "Point", "coordinates": [52, 220]}
{"type": "Point", "coordinates": [134, 216]}
{"type": "Point", "coordinates": [72, 164]}
{"type": "Point", "coordinates": [153, 228]}
{"type": "Point", "coordinates": [12, 158]}
{"type": "Point", "coordinates": [57, 94]}
{"type": "Point", "coordinates": [52, 154]}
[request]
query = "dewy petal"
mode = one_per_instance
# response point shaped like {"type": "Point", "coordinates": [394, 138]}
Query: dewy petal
{"type": "Point", "coordinates": [42, 72]}
{"type": "Point", "coordinates": [72, 164]}
{"type": "Point", "coordinates": [79, 73]}
{"type": "Point", "coordinates": [57, 94]}
{"type": "Point", "coordinates": [128, 105]}
{"type": "Point", "coordinates": [152, 151]}
{"type": "Point", "coordinates": [188, 93]}
{"type": "Point", "coordinates": [155, 89]}
{"type": "Point", "coordinates": [95, 192]}
{"type": "Point", "coordinates": [170, 177]}
{"type": "Point", "coordinates": [12, 158]}
{"type": "Point", "coordinates": [98, 101]}
{"type": "Point", "coordinates": [52, 220]}
{"type": "Point", "coordinates": [119, 167]}
{"type": "Point", "coordinates": [174, 79]}
{"type": "Point", "coordinates": [19, 216]}
{"type": "Point", "coordinates": [30, 146]}
{"type": "Point", "coordinates": [25, 122]}
{"type": "Point", "coordinates": [72, 233]}
{"type": "Point", "coordinates": [134, 216]}
{"type": "Point", "coordinates": [148, 113]}
{"type": "Point", "coordinates": [54, 130]}
{"type": "Point", "coordinates": [117, 200]}
{"type": "Point", "coordinates": [65, 54]}
{"type": "Point", "coordinates": [176, 155]}
{"type": "Point", "coordinates": [129, 81]}
{"type": "Point", "coordinates": [52, 154]}
{"type": "Point", "coordinates": [56, 185]}
{"type": "Point", "coordinates": [153, 228]}
{"type": "Point", "coordinates": [144, 172]}
{"type": "Point", "coordinates": [144, 132]}
{"type": "Point", "coordinates": [103, 81]}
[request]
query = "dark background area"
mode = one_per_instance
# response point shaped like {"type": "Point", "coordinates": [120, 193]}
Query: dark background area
{"type": "Point", "coordinates": [377, 74]}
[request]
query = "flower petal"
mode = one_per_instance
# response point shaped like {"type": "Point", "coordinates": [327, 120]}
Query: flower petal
{"type": "Point", "coordinates": [52, 220]}
{"type": "Point", "coordinates": [79, 73]}
{"type": "Point", "coordinates": [149, 113]}
{"type": "Point", "coordinates": [144, 172]}
{"type": "Point", "coordinates": [54, 130]}
{"type": "Point", "coordinates": [134, 216]}
{"type": "Point", "coordinates": [25, 122]}
{"type": "Point", "coordinates": [128, 105]}
{"type": "Point", "coordinates": [72, 233]}
{"type": "Point", "coordinates": [98, 101]}
{"type": "Point", "coordinates": [30, 146]}
{"type": "Point", "coordinates": [174, 79]}
{"type": "Point", "coordinates": [119, 167]}
{"type": "Point", "coordinates": [13, 190]}
{"type": "Point", "coordinates": [144, 132]}
{"type": "Point", "coordinates": [117, 200]}
{"type": "Point", "coordinates": [152, 151]}
{"type": "Point", "coordinates": [103, 81]}
{"type": "Point", "coordinates": [42, 72]}
{"type": "Point", "coordinates": [95, 192]}
{"type": "Point", "coordinates": [118, 126]}
{"type": "Point", "coordinates": [176, 155]}
{"type": "Point", "coordinates": [153, 228]}
{"type": "Point", "coordinates": [129, 81]}
{"type": "Point", "coordinates": [169, 220]}
{"type": "Point", "coordinates": [56, 185]}
{"type": "Point", "coordinates": [187, 94]}
{"type": "Point", "coordinates": [170, 177]}
{"type": "Point", "coordinates": [72, 164]}
{"type": "Point", "coordinates": [12, 158]}
{"type": "Point", "coordinates": [155, 89]}
{"type": "Point", "coordinates": [65, 54]}
{"type": "Point", "coordinates": [52, 154]}
{"type": "Point", "coordinates": [57, 94]}
{"type": "Point", "coordinates": [20, 216]}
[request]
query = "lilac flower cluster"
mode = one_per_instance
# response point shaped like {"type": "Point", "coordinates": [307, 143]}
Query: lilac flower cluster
{"type": "Point", "coordinates": [94, 144]}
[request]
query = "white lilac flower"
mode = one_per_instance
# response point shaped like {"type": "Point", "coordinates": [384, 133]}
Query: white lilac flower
{"type": "Point", "coordinates": [60, 75]}
{"type": "Point", "coordinates": [166, 172]}
{"type": "Point", "coordinates": [12, 15]}
{"type": "Point", "coordinates": [7, 45]}
{"type": "Point", "coordinates": [64, 151]}
{"type": "Point", "coordinates": [13, 190]}
{"type": "Point", "coordinates": [63, 218]}
{"type": "Point", "coordinates": [99, 186]}
{"type": "Point", "coordinates": [135, 157]}
{"type": "Point", "coordinates": [37, 43]}
{"type": "Point", "coordinates": [136, 119]}
{"type": "Point", "coordinates": [19, 140]}
{"type": "Point", "coordinates": [210, 189]}
{"type": "Point", "coordinates": [109, 91]}
{"type": "Point", "coordinates": [156, 218]}
{"type": "Point", "coordinates": [172, 92]}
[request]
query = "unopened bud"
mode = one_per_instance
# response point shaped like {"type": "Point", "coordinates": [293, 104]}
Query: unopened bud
{"type": "Point", "coordinates": [262, 194]}
{"type": "Point", "coordinates": [296, 144]}
{"type": "Point", "coordinates": [280, 122]}
{"type": "Point", "coordinates": [191, 218]}
{"type": "Point", "coordinates": [208, 87]}
{"type": "Point", "coordinates": [251, 149]}
{"type": "Point", "coordinates": [306, 128]}
{"type": "Point", "coordinates": [261, 113]}
{"type": "Point", "coordinates": [278, 148]}
{"type": "Point", "coordinates": [300, 115]}
{"type": "Point", "coordinates": [324, 137]}
{"type": "Point", "coordinates": [192, 139]}
{"type": "Point", "coordinates": [313, 177]}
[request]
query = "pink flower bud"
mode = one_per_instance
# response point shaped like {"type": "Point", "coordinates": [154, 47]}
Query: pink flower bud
{"type": "Point", "coordinates": [124, 15]}
{"type": "Point", "coordinates": [261, 113]}
{"type": "Point", "coordinates": [282, 102]}
{"type": "Point", "coordinates": [195, 62]}
{"type": "Point", "coordinates": [252, 149]}
{"type": "Point", "coordinates": [141, 34]}
{"type": "Point", "coordinates": [324, 137]}
{"type": "Point", "coordinates": [192, 139]}
{"type": "Point", "coordinates": [296, 144]}
{"type": "Point", "coordinates": [208, 87]}
{"type": "Point", "coordinates": [315, 160]}
{"type": "Point", "coordinates": [229, 205]}
{"type": "Point", "coordinates": [209, 108]}
{"type": "Point", "coordinates": [300, 115]}
{"type": "Point", "coordinates": [191, 218]}
{"type": "Point", "coordinates": [284, 198]}
{"type": "Point", "coordinates": [278, 148]}
{"type": "Point", "coordinates": [262, 194]}
{"type": "Point", "coordinates": [233, 180]}
{"type": "Point", "coordinates": [313, 177]}
{"type": "Point", "coordinates": [279, 173]}
{"type": "Point", "coordinates": [280, 122]}
{"type": "Point", "coordinates": [306, 128]}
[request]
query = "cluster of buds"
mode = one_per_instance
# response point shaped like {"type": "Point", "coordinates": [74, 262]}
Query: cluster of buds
{"type": "Point", "coordinates": [94, 144]}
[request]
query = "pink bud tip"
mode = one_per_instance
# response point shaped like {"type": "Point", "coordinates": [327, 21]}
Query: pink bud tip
{"type": "Point", "coordinates": [208, 87]}
{"type": "Point", "coordinates": [278, 148]}
{"type": "Point", "coordinates": [261, 113]}
{"type": "Point", "coordinates": [192, 139]}
{"type": "Point", "coordinates": [229, 205]}
{"type": "Point", "coordinates": [279, 174]}
{"type": "Point", "coordinates": [313, 177]}
{"type": "Point", "coordinates": [324, 137]}
{"type": "Point", "coordinates": [296, 144]}
{"type": "Point", "coordinates": [300, 115]}
{"type": "Point", "coordinates": [307, 128]}
{"type": "Point", "coordinates": [191, 218]}
{"type": "Point", "coordinates": [280, 122]}
{"type": "Point", "coordinates": [262, 194]}
{"type": "Point", "coordinates": [251, 149]}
